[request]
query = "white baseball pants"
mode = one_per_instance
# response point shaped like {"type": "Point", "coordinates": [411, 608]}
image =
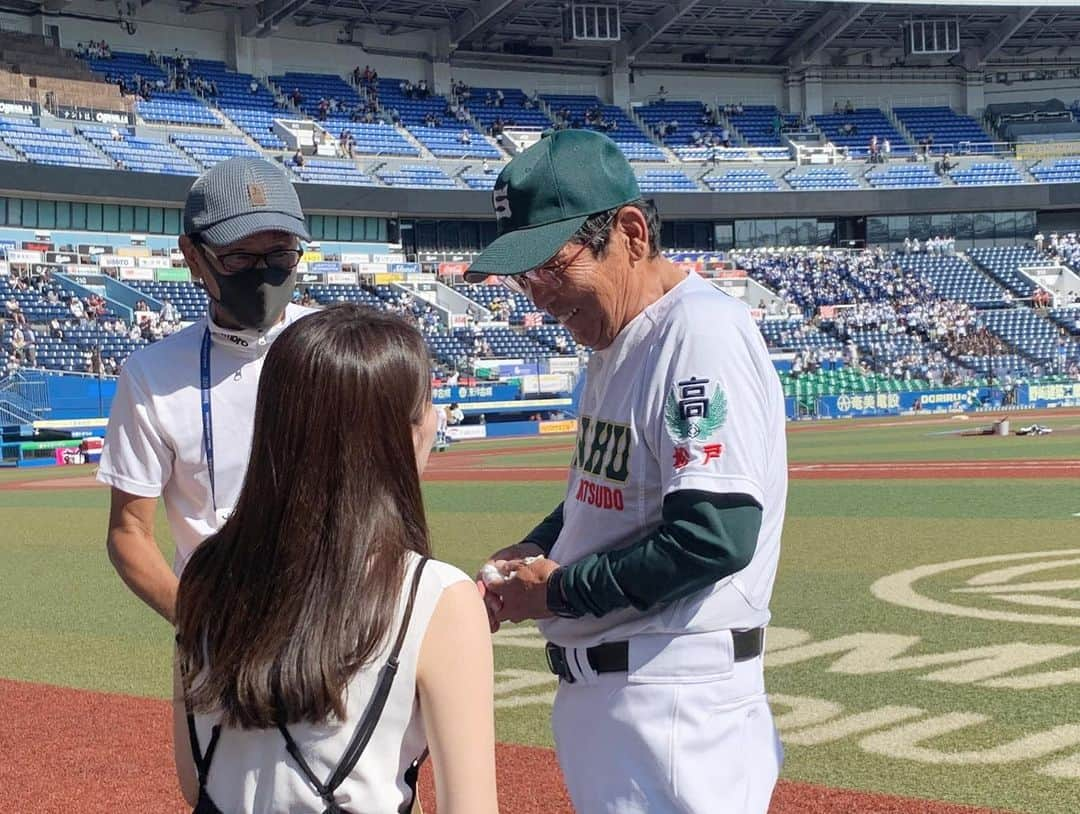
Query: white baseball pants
{"type": "Point", "coordinates": [685, 731]}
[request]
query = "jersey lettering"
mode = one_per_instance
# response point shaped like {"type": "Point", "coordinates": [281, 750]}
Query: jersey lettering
{"type": "Point", "coordinates": [603, 449]}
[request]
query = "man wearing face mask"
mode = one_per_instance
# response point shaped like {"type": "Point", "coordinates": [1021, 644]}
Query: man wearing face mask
{"type": "Point", "coordinates": [181, 422]}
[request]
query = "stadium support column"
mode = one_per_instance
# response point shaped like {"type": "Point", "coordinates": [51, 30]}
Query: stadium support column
{"type": "Point", "coordinates": [438, 70]}
{"type": "Point", "coordinates": [618, 80]}
{"type": "Point", "coordinates": [804, 92]}
{"type": "Point", "coordinates": [246, 54]}
{"type": "Point", "coordinates": [974, 94]}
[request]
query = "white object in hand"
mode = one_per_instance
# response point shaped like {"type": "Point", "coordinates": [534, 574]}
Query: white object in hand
{"type": "Point", "coordinates": [491, 575]}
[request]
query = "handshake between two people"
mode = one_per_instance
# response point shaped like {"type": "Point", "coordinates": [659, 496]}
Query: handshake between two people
{"type": "Point", "coordinates": [513, 584]}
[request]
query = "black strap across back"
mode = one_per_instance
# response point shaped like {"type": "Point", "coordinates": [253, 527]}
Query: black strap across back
{"type": "Point", "coordinates": [364, 730]}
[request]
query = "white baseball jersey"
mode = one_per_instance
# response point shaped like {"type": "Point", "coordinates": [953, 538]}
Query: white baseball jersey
{"type": "Point", "coordinates": [154, 442]}
{"type": "Point", "coordinates": [686, 397]}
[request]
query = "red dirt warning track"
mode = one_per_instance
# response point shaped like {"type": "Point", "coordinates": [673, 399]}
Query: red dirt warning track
{"type": "Point", "coordinates": [469, 466]}
{"type": "Point", "coordinates": [451, 467]}
{"type": "Point", "coordinates": [74, 750]}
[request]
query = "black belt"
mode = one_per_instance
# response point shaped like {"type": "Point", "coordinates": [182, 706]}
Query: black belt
{"type": "Point", "coordinates": [614, 657]}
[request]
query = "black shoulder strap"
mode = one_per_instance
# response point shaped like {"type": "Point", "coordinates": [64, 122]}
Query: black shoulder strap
{"type": "Point", "coordinates": [202, 762]}
{"type": "Point", "coordinates": [366, 728]}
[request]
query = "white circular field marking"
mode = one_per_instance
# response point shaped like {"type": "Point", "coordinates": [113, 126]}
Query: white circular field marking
{"type": "Point", "coordinates": [901, 588]}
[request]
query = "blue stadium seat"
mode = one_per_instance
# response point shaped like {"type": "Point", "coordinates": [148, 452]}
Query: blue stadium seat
{"type": "Point", "coordinates": [952, 132]}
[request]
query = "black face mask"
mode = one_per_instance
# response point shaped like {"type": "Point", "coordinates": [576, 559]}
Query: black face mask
{"type": "Point", "coordinates": [257, 298]}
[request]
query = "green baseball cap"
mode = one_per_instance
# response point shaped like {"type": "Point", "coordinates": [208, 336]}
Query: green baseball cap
{"type": "Point", "coordinates": [545, 194]}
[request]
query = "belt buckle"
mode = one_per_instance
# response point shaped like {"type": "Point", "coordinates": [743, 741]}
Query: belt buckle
{"type": "Point", "coordinates": [556, 661]}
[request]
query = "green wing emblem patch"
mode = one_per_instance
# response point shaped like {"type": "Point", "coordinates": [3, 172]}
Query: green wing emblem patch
{"type": "Point", "coordinates": [695, 418]}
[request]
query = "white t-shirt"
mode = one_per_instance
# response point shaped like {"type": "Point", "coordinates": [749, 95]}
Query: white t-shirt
{"type": "Point", "coordinates": [710, 418]}
{"type": "Point", "coordinates": [154, 443]}
{"type": "Point", "coordinates": [252, 773]}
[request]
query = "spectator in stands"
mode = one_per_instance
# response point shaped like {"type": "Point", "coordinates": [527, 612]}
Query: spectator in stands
{"type": "Point", "coordinates": [661, 94]}
{"type": "Point", "coordinates": [168, 311]}
{"type": "Point", "coordinates": [500, 97]}
{"type": "Point", "coordinates": [242, 227]}
{"type": "Point", "coordinates": [298, 158]}
{"type": "Point", "coordinates": [80, 50]}
{"type": "Point", "coordinates": [849, 107]}
{"type": "Point", "coordinates": [253, 87]}
{"type": "Point", "coordinates": [465, 137]}
{"type": "Point", "coordinates": [297, 97]}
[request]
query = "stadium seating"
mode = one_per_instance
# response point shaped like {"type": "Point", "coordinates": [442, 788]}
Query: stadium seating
{"type": "Point", "coordinates": [1030, 334]}
{"type": "Point", "coordinates": [505, 343]}
{"type": "Point", "coordinates": [756, 125]}
{"type": "Point", "coordinates": [687, 114]}
{"type": "Point", "coordinates": [665, 181]}
{"type": "Point", "coordinates": [444, 142]}
{"type": "Point", "coordinates": [1067, 317]}
{"type": "Point", "coordinates": [139, 154]}
{"type": "Point", "coordinates": [513, 107]}
{"type": "Point", "coordinates": [903, 176]}
{"type": "Point", "coordinates": [164, 106]}
{"type": "Point", "coordinates": [486, 295]}
{"type": "Point", "coordinates": [796, 335]}
{"type": "Point", "coordinates": [314, 87]}
{"type": "Point", "coordinates": [33, 304]}
{"type": "Point", "coordinates": [441, 139]}
{"type": "Point", "coordinates": [333, 171]}
{"type": "Point", "coordinates": [47, 145]}
{"type": "Point", "coordinates": [556, 339]}
{"type": "Point", "coordinates": [748, 180]}
{"type": "Point", "coordinates": [838, 382]}
{"type": "Point", "coordinates": [952, 132]}
{"type": "Point", "coordinates": [189, 298]}
{"type": "Point", "coordinates": [52, 353]}
{"type": "Point", "coordinates": [1003, 264]}
{"type": "Point", "coordinates": [208, 150]}
{"type": "Point", "coordinates": [827, 178]}
{"type": "Point", "coordinates": [954, 278]}
{"type": "Point", "coordinates": [416, 176]}
{"type": "Point", "coordinates": [868, 122]}
{"type": "Point", "coordinates": [251, 112]}
{"type": "Point", "coordinates": [634, 143]}
{"type": "Point", "coordinates": [986, 173]}
{"type": "Point", "coordinates": [1058, 171]}
{"type": "Point", "coordinates": [379, 138]}
{"type": "Point", "coordinates": [480, 180]}
{"type": "Point", "coordinates": [330, 294]}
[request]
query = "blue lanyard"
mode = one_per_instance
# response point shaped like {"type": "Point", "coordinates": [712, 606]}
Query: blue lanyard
{"type": "Point", "coordinates": [207, 417]}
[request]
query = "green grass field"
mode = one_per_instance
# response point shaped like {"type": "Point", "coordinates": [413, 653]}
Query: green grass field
{"type": "Point", "coordinates": [870, 692]}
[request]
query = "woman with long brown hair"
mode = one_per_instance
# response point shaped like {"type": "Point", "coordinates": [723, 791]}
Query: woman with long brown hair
{"type": "Point", "coordinates": [320, 650]}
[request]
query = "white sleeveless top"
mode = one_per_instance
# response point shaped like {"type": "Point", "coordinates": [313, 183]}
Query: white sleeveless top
{"type": "Point", "coordinates": [252, 773]}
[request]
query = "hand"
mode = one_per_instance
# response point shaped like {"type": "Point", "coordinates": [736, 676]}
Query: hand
{"type": "Point", "coordinates": [525, 596]}
{"type": "Point", "coordinates": [500, 559]}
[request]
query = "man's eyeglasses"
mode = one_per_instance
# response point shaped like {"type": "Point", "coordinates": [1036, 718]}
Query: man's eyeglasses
{"type": "Point", "coordinates": [239, 262]}
{"type": "Point", "coordinates": [549, 276]}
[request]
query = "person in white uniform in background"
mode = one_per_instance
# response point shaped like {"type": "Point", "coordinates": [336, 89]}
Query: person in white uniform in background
{"type": "Point", "coordinates": [652, 578]}
{"type": "Point", "coordinates": [288, 617]}
{"type": "Point", "coordinates": [180, 423]}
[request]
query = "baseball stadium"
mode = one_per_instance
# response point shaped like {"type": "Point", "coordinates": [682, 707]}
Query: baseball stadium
{"type": "Point", "coordinates": [891, 190]}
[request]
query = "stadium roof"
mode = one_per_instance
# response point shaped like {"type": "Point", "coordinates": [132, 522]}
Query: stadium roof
{"type": "Point", "coordinates": [754, 32]}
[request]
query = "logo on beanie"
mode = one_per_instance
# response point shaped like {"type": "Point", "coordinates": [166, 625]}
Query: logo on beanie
{"type": "Point", "coordinates": [501, 200]}
{"type": "Point", "coordinates": [257, 194]}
